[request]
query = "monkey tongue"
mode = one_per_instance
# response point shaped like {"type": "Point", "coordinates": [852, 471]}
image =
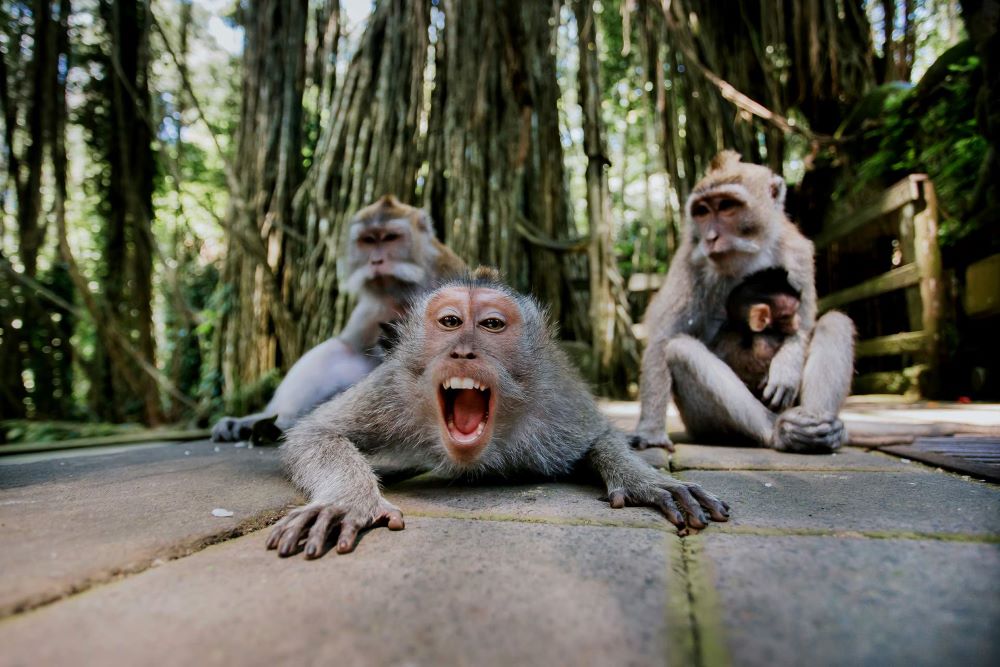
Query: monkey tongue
{"type": "Point", "coordinates": [469, 410]}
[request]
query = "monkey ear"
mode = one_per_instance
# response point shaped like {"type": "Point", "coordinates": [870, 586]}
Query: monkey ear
{"type": "Point", "coordinates": [778, 189]}
{"type": "Point", "coordinates": [424, 222]}
{"type": "Point", "coordinates": [759, 317]}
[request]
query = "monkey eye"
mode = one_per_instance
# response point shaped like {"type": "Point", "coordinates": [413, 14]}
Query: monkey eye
{"type": "Point", "coordinates": [390, 237]}
{"type": "Point", "coordinates": [728, 204]}
{"type": "Point", "coordinates": [450, 322]}
{"type": "Point", "coordinates": [493, 324]}
{"type": "Point", "coordinates": [699, 210]}
{"type": "Point", "coordinates": [367, 240]}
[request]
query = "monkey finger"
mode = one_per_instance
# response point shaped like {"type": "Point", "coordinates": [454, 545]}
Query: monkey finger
{"type": "Point", "coordinates": [616, 498]}
{"type": "Point", "coordinates": [777, 400]}
{"type": "Point", "coordinates": [637, 442]}
{"type": "Point", "coordinates": [348, 535]}
{"type": "Point", "coordinates": [716, 508]}
{"type": "Point", "coordinates": [395, 520]}
{"type": "Point", "coordinates": [279, 527]}
{"type": "Point", "coordinates": [320, 531]}
{"type": "Point", "coordinates": [692, 509]}
{"type": "Point", "coordinates": [289, 541]}
{"type": "Point", "coordinates": [665, 503]}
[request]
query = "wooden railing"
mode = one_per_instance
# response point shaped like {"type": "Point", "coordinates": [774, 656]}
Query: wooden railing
{"type": "Point", "coordinates": [907, 211]}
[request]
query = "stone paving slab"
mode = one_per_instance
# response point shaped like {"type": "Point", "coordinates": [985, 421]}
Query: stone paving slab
{"type": "Point", "coordinates": [67, 522]}
{"type": "Point", "coordinates": [855, 501]}
{"type": "Point", "coordinates": [549, 501]}
{"type": "Point", "coordinates": [825, 601]}
{"type": "Point", "coordinates": [440, 592]}
{"type": "Point", "coordinates": [713, 457]}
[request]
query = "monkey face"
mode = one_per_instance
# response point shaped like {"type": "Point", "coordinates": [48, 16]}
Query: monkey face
{"type": "Point", "coordinates": [468, 332]}
{"type": "Point", "coordinates": [724, 226]}
{"type": "Point", "coordinates": [382, 256]}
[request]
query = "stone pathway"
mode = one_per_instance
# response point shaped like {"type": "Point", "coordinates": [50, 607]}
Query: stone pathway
{"type": "Point", "coordinates": [115, 558]}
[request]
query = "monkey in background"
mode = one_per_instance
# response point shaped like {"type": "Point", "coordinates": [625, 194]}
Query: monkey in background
{"type": "Point", "coordinates": [475, 383]}
{"type": "Point", "coordinates": [736, 226]}
{"type": "Point", "coordinates": [760, 313]}
{"type": "Point", "coordinates": [390, 256]}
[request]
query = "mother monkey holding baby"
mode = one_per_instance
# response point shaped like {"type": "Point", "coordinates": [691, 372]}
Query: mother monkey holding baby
{"type": "Point", "coordinates": [736, 226]}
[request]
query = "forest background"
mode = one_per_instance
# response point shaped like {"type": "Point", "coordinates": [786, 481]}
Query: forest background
{"type": "Point", "coordinates": [176, 176]}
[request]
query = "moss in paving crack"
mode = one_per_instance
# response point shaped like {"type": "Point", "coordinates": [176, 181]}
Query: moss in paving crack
{"type": "Point", "coordinates": [680, 619]}
{"type": "Point", "coordinates": [857, 534]}
{"type": "Point", "coordinates": [706, 614]}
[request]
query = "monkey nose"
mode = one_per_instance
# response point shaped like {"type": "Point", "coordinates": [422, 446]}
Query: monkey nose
{"type": "Point", "coordinates": [376, 262]}
{"type": "Point", "coordinates": [463, 352]}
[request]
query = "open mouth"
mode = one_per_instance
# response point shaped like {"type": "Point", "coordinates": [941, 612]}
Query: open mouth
{"type": "Point", "coordinates": [465, 408]}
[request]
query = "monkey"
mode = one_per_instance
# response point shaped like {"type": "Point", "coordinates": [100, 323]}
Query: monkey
{"type": "Point", "coordinates": [735, 226]}
{"type": "Point", "coordinates": [760, 313]}
{"type": "Point", "coordinates": [475, 385]}
{"type": "Point", "coordinates": [390, 255]}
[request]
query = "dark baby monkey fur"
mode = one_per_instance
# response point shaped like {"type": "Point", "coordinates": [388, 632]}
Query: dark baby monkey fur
{"type": "Point", "coordinates": [761, 313]}
{"type": "Point", "coordinates": [542, 421]}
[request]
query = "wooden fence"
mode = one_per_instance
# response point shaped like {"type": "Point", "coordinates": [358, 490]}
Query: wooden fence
{"type": "Point", "coordinates": [907, 215]}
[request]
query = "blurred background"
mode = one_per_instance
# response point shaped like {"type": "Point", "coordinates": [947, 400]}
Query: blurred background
{"type": "Point", "coordinates": [177, 175]}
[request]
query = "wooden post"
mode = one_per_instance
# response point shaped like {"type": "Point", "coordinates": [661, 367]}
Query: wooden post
{"type": "Point", "coordinates": [928, 259]}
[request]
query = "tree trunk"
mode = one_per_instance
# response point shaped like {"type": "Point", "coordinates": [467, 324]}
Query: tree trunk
{"type": "Point", "coordinates": [124, 391]}
{"type": "Point", "coordinates": [613, 344]}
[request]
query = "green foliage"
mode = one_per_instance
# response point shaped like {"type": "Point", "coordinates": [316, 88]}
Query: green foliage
{"type": "Point", "coordinates": [932, 128]}
{"type": "Point", "coordinates": [24, 430]}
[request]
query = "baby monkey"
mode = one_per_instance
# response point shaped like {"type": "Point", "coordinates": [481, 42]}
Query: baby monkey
{"type": "Point", "coordinates": [761, 312]}
{"type": "Point", "coordinates": [474, 384]}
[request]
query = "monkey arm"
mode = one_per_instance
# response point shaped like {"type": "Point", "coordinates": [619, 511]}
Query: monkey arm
{"type": "Point", "coordinates": [784, 377]}
{"type": "Point", "coordinates": [632, 481]}
{"type": "Point", "coordinates": [343, 489]}
{"type": "Point", "coordinates": [655, 392]}
{"type": "Point", "coordinates": [665, 319]}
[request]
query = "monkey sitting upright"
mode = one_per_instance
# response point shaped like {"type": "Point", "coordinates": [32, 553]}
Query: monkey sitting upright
{"type": "Point", "coordinates": [391, 255]}
{"type": "Point", "coordinates": [475, 383]}
{"type": "Point", "coordinates": [761, 312]}
{"type": "Point", "coordinates": [735, 226]}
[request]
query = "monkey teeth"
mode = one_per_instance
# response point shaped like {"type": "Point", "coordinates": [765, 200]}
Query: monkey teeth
{"type": "Point", "coordinates": [464, 438]}
{"type": "Point", "coordinates": [462, 383]}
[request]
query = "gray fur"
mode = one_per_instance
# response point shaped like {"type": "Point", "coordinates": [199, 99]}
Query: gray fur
{"type": "Point", "coordinates": [686, 314]}
{"type": "Point", "coordinates": [339, 362]}
{"type": "Point", "coordinates": [547, 423]}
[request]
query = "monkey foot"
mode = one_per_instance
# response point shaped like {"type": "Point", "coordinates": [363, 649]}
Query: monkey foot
{"type": "Point", "coordinates": [315, 523]}
{"type": "Point", "coordinates": [643, 439]}
{"type": "Point", "coordinates": [804, 432]}
{"type": "Point", "coordinates": [259, 430]}
{"type": "Point", "coordinates": [683, 503]}
{"type": "Point", "coordinates": [232, 429]}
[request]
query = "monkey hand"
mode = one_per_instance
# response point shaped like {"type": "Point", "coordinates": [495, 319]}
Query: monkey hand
{"type": "Point", "coordinates": [683, 503]}
{"type": "Point", "coordinates": [805, 432]}
{"type": "Point", "coordinates": [781, 386]}
{"type": "Point", "coordinates": [315, 522]}
{"type": "Point", "coordinates": [644, 437]}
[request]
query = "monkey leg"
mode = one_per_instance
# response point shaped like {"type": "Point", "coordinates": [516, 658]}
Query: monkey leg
{"type": "Point", "coordinates": [826, 380]}
{"type": "Point", "coordinates": [320, 374]}
{"type": "Point", "coordinates": [813, 426]}
{"type": "Point", "coordinates": [713, 401]}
